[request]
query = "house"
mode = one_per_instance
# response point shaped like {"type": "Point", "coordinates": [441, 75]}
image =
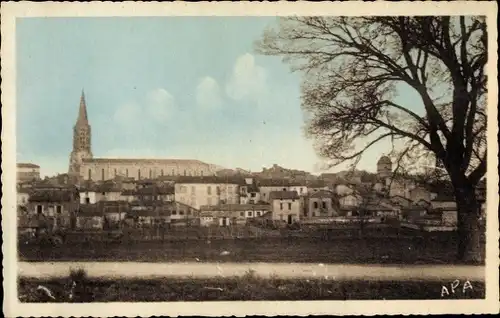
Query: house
{"type": "Point", "coordinates": [183, 214]}
{"type": "Point", "coordinates": [93, 193]}
{"type": "Point", "coordinates": [209, 190]}
{"type": "Point", "coordinates": [266, 186]}
{"type": "Point", "coordinates": [22, 196]}
{"type": "Point", "coordinates": [57, 204]}
{"type": "Point", "coordinates": [349, 199]}
{"type": "Point", "coordinates": [321, 204]}
{"type": "Point", "coordinates": [228, 214]}
{"type": "Point", "coordinates": [401, 201]}
{"type": "Point", "coordinates": [27, 172]}
{"type": "Point", "coordinates": [317, 185]}
{"type": "Point", "coordinates": [151, 214]}
{"type": "Point", "coordinates": [286, 206]}
{"type": "Point", "coordinates": [150, 193]}
{"type": "Point", "coordinates": [114, 212]}
{"type": "Point", "coordinates": [90, 217]}
{"type": "Point", "coordinates": [249, 192]}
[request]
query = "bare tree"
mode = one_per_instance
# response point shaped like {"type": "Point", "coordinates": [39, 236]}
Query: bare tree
{"type": "Point", "coordinates": [354, 67]}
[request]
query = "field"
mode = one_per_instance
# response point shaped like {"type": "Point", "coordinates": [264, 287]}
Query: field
{"type": "Point", "coordinates": [247, 287]}
{"type": "Point", "coordinates": [404, 250]}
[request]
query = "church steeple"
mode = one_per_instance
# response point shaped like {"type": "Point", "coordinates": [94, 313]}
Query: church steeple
{"type": "Point", "coordinates": [81, 140]}
{"type": "Point", "coordinates": [82, 112]}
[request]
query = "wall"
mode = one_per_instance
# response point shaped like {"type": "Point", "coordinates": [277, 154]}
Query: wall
{"type": "Point", "coordinates": [153, 169]}
{"type": "Point", "coordinates": [282, 214]}
{"type": "Point", "coordinates": [198, 194]}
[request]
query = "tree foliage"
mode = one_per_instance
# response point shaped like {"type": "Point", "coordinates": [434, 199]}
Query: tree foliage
{"type": "Point", "coordinates": [354, 68]}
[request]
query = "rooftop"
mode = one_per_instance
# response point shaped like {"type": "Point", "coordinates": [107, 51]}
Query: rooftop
{"type": "Point", "coordinates": [283, 195]}
{"type": "Point", "coordinates": [144, 161]}
{"type": "Point", "coordinates": [235, 207]}
{"type": "Point", "coordinates": [27, 165]}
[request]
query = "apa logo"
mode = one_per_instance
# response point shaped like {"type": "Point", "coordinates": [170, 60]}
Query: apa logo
{"type": "Point", "coordinates": [454, 285]}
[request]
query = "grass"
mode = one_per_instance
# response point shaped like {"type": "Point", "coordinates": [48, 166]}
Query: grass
{"type": "Point", "coordinates": [340, 250]}
{"type": "Point", "coordinates": [246, 287]}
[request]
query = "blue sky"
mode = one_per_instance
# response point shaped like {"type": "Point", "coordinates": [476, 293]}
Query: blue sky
{"type": "Point", "coordinates": [171, 87]}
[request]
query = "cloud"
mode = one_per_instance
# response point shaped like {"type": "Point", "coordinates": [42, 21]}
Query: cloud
{"type": "Point", "coordinates": [160, 104]}
{"type": "Point", "coordinates": [248, 80]}
{"type": "Point", "coordinates": [208, 93]}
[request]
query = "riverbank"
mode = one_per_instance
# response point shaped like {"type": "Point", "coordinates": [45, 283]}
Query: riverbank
{"type": "Point", "coordinates": [247, 287]}
{"type": "Point", "coordinates": [300, 250]}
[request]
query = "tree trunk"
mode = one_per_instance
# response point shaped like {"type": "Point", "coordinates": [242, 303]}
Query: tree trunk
{"type": "Point", "coordinates": [469, 232]}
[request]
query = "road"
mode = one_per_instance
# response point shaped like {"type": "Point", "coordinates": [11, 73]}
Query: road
{"type": "Point", "coordinates": [283, 270]}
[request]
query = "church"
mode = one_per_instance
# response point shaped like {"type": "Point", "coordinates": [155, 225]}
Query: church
{"type": "Point", "coordinates": [84, 166]}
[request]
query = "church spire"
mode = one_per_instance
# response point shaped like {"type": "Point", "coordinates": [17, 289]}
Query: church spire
{"type": "Point", "coordinates": [82, 112]}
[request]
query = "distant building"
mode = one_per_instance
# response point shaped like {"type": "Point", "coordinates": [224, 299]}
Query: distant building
{"type": "Point", "coordinates": [198, 191]}
{"type": "Point", "coordinates": [384, 167]}
{"type": "Point", "coordinates": [266, 186]}
{"type": "Point", "coordinates": [321, 204]}
{"type": "Point", "coordinates": [249, 192]}
{"type": "Point", "coordinates": [58, 204]}
{"type": "Point", "coordinates": [286, 206]}
{"type": "Point", "coordinates": [229, 214]}
{"type": "Point", "coordinates": [27, 172]}
{"type": "Point", "coordinates": [84, 166]}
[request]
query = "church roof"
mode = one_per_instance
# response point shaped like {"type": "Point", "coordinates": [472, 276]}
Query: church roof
{"type": "Point", "coordinates": [82, 112]}
{"type": "Point", "coordinates": [384, 159]}
{"type": "Point", "coordinates": [142, 161]}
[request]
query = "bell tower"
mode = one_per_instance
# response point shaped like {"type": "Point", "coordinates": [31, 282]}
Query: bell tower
{"type": "Point", "coordinates": [81, 140]}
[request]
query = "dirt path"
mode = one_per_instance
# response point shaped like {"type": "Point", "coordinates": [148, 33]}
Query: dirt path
{"type": "Point", "coordinates": [285, 270]}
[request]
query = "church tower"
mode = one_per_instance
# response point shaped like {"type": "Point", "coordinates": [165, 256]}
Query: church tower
{"type": "Point", "coordinates": [81, 140]}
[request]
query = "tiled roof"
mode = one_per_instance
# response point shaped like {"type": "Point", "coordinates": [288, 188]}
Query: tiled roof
{"type": "Point", "coordinates": [322, 194]}
{"type": "Point", "coordinates": [211, 179]}
{"type": "Point", "coordinates": [27, 165]}
{"type": "Point", "coordinates": [279, 183]}
{"type": "Point", "coordinates": [143, 161]}
{"type": "Point", "coordinates": [283, 195]}
{"type": "Point", "coordinates": [235, 207]}
{"type": "Point", "coordinates": [52, 196]}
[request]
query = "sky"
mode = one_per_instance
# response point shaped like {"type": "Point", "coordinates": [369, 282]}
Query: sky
{"type": "Point", "coordinates": [166, 87]}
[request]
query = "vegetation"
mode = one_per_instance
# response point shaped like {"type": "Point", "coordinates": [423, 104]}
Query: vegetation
{"type": "Point", "coordinates": [355, 67]}
{"type": "Point", "coordinates": [247, 287]}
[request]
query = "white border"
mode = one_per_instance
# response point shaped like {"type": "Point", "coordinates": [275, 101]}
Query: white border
{"type": "Point", "coordinates": [11, 11]}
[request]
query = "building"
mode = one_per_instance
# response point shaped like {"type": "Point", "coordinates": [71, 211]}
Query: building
{"type": "Point", "coordinates": [84, 166]}
{"type": "Point", "coordinates": [231, 214]}
{"type": "Point", "coordinates": [384, 167]}
{"type": "Point", "coordinates": [198, 191]}
{"type": "Point", "coordinates": [249, 192]}
{"type": "Point", "coordinates": [58, 204]}
{"type": "Point", "coordinates": [151, 193]}
{"type": "Point", "coordinates": [90, 217]}
{"type": "Point", "coordinates": [266, 186]}
{"type": "Point", "coordinates": [286, 206]}
{"type": "Point", "coordinates": [23, 196]}
{"type": "Point", "coordinates": [27, 172]}
{"type": "Point", "coordinates": [100, 192]}
{"type": "Point", "coordinates": [321, 204]}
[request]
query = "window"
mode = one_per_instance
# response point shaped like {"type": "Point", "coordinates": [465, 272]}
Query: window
{"type": "Point", "coordinates": [39, 209]}
{"type": "Point", "coordinates": [115, 172]}
{"type": "Point", "coordinates": [281, 206]}
{"type": "Point", "coordinates": [252, 194]}
{"type": "Point", "coordinates": [188, 212]}
{"type": "Point", "coordinates": [284, 189]}
{"type": "Point", "coordinates": [87, 200]}
{"type": "Point", "coordinates": [258, 213]}
{"type": "Point", "coordinates": [59, 209]}
{"type": "Point", "coordinates": [324, 204]}
{"type": "Point", "coordinates": [209, 190]}
{"type": "Point", "coordinates": [174, 212]}
{"type": "Point", "coordinates": [181, 212]}
{"type": "Point", "coordinates": [102, 174]}
{"type": "Point", "coordinates": [217, 189]}
{"type": "Point", "coordinates": [150, 173]}
{"type": "Point", "coordinates": [162, 172]}
{"type": "Point", "coordinates": [289, 206]}
{"type": "Point", "coordinates": [249, 213]}
{"type": "Point", "coordinates": [300, 190]}
{"type": "Point", "coordinates": [126, 172]}
{"type": "Point", "coordinates": [139, 174]}
{"type": "Point", "coordinates": [242, 213]}
{"type": "Point", "coordinates": [90, 174]}
{"type": "Point", "coordinates": [315, 205]}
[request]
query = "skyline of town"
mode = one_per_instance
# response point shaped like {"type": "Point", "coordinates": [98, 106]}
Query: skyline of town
{"type": "Point", "coordinates": [230, 107]}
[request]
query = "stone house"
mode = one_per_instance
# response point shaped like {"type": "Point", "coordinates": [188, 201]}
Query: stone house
{"type": "Point", "coordinates": [321, 204]}
{"type": "Point", "coordinates": [286, 206]}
